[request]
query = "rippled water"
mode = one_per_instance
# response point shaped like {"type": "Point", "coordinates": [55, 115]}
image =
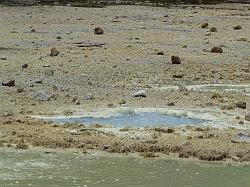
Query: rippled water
{"type": "Point", "coordinates": [32, 168]}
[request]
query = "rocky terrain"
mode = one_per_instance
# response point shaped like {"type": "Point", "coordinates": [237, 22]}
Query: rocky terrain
{"type": "Point", "coordinates": [61, 59]}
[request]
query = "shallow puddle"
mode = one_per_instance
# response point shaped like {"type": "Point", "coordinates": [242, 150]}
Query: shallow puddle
{"type": "Point", "coordinates": [33, 168]}
{"type": "Point", "coordinates": [129, 118]}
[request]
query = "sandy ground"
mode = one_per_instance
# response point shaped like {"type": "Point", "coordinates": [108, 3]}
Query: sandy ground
{"type": "Point", "coordinates": [127, 61]}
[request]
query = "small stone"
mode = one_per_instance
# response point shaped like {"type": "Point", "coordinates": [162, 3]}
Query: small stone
{"type": "Point", "coordinates": [89, 96]}
{"type": "Point", "coordinates": [178, 76]}
{"type": "Point", "coordinates": [3, 58]}
{"type": "Point", "coordinates": [140, 93]}
{"type": "Point", "coordinates": [184, 46]}
{"type": "Point", "coordinates": [175, 60]}
{"type": "Point", "coordinates": [33, 30]}
{"type": "Point", "coordinates": [247, 117]}
{"type": "Point", "coordinates": [38, 81]}
{"type": "Point", "coordinates": [98, 30]}
{"type": "Point", "coordinates": [49, 72]}
{"type": "Point", "coordinates": [9, 82]}
{"type": "Point", "coordinates": [20, 90]}
{"type": "Point", "coordinates": [186, 143]}
{"type": "Point", "coordinates": [241, 122]}
{"type": "Point", "coordinates": [54, 52]}
{"type": "Point", "coordinates": [204, 25]}
{"type": "Point", "coordinates": [110, 105]}
{"type": "Point", "coordinates": [241, 104]}
{"type": "Point", "coordinates": [182, 88]}
{"type": "Point", "coordinates": [56, 87]}
{"type": "Point", "coordinates": [58, 37]}
{"type": "Point", "coordinates": [160, 53]}
{"type": "Point", "coordinates": [43, 96]}
{"type": "Point", "coordinates": [122, 102]}
{"type": "Point", "coordinates": [216, 50]}
{"type": "Point", "coordinates": [208, 34]}
{"type": "Point", "coordinates": [24, 66]}
{"type": "Point", "coordinates": [171, 104]}
{"type": "Point", "coordinates": [237, 27]}
{"type": "Point", "coordinates": [242, 39]}
{"type": "Point", "coordinates": [213, 29]}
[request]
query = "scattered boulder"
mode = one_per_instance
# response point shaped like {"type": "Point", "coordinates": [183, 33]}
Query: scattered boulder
{"type": "Point", "coordinates": [24, 66]}
{"type": "Point", "coordinates": [178, 76]}
{"type": "Point", "coordinates": [204, 25]}
{"type": "Point", "coordinates": [38, 81]}
{"type": "Point", "coordinates": [140, 93]}
{"type": "Point", "coordinates": [247, 117]}
{"type": "Point", "coordinates": [241, 104]}
{"type": "Point", "coordinates": [175, 60]}
{"type": "Point", "coordinates": [217, 50]}
{"type": "Point", "coordinates": [171, 104]}
{"type": "Point", "coordinates": [237, 27]}
{"type": "Point", "coordinates": [213, 29]}
{"type": "Point", "coordinates": [33, 30]}
{"type": "Point", "coordinates": [122, 102]}
{"type": "Point", "coordinates": [54, 52]}
{"type": "Point", "coordinates": [58, 37]}
{"type": "Point", "coordinates": [89, 96]}
{"type": "Point", "coordinates": [160, 53]}
{"type": "Point", "coordinates": [208, 34]}
{"type": "Point", "coordinates": [8, 82]}
{"type": "Point", "coordinates": [242, 39]}
{"type": "Point", "coordinates": [98, 30]}
{"type": "Point", "coordinates": [43, 96]}
{"type": "Point", "coordinates": [3, 58]}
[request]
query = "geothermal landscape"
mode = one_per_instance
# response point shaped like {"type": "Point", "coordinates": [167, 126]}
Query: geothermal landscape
{"type": "Point", "coordinates": [96, 79]}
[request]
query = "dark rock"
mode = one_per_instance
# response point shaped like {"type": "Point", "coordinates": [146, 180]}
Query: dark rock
{"type": "Point", "coordinates": [58, 37]}
{"type": "Point", "coordinates": [237, 27]}
{"type": "Point", "coordinates": [49, 72]}
{"type": "Point", "coordinates": [140, 93]}
{"type": "Point", "coordinates": [9, 82]}
{"type": "Point", "coordinates": [175, 60]}
{"type": "Point", "coordinates": [241, 104]}
{"type": "Point", "coordinates": [24, 66]}
{"type": "Point", "coordinates": [216, 50]}
{"type": "Point", "coordinates": [33, 30]}
{"type": "Point", "coordinates": [43, 96]}
{"type": "Point", "coordinates": [204, 25]}
{"type": "Point", "coordinates": [54, 52]}
{"type": "Point", "coordinates": [178, 76]}
{"type": "Point", "coordinates": [170, 130]}
{"type": "Point", "coordinates": [160, 53]}
{"type": "Point", "coordinates": [38, 81]}
{"type": "Point", "coordinates": [171, 104]}
{"type": "Point", "coordinates": [98, 30]}
{"type": "Point", "coordinates": [3, 58]}
{"type": "Point", "coordinates": [213, 29]}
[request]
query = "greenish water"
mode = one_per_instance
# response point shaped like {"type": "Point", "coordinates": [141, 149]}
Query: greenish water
{"type": "Point", "coordinates": [24, 168]}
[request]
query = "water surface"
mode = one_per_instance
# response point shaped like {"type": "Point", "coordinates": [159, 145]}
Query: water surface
{"type": "Point", "coordinates": [139, 119]}
{"type": "Point", "coordinates": [32, 168]}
